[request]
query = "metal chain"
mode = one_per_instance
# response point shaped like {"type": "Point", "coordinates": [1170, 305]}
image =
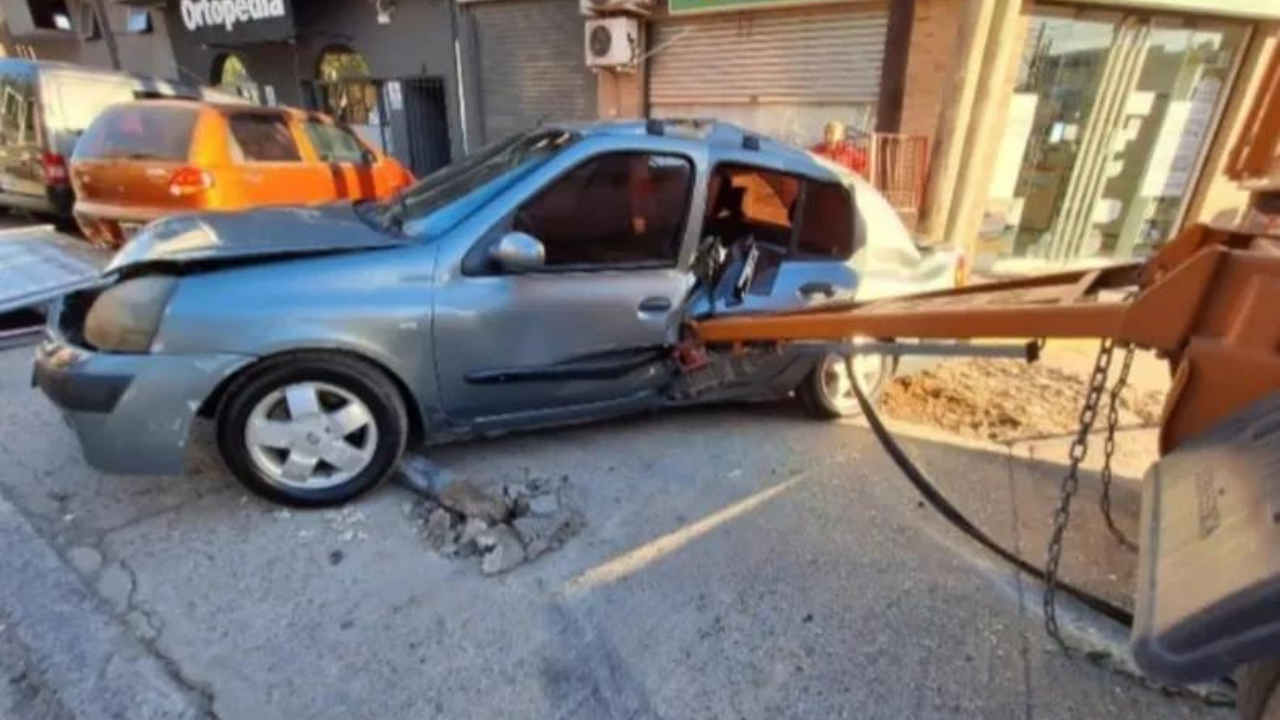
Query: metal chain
{"type": "Point", "coordinates": [1062, 517]}
{"type": "Point", "coordinates": [1070, 483]}
{"type": "Point", "coordinates": [1109, 449]}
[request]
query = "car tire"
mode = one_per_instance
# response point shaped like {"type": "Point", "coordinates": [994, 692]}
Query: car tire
{"type": "Point", "coordinates": [1258, 697]}
{"type": "Point", "coordinates": [312, 429]}
{"type": "Point", "coordinates": [65, 224]}
{"type": "Point", "coordinates": [824, 400]}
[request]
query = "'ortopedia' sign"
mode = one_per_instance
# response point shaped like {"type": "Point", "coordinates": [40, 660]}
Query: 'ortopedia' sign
{"type": "Point", "coordinates": [237, 22]}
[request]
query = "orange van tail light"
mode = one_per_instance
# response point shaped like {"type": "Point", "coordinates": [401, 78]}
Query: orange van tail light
{"type": "Point", "coordinates": [189, 181]}
{"type": "Point", "coordinates": [55, 168]}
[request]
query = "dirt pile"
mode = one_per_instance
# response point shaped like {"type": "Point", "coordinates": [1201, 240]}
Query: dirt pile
{"type": "Point", "coordinates": [1006, 400]}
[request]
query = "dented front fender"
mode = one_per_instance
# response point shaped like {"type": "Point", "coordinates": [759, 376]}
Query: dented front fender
{"type": "Point", "coordinates": [131, 413]}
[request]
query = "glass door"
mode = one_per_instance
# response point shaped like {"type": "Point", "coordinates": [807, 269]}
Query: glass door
{"type": "Point", "coordinates": [1116, 110]}
{"type": "Point", "coordinates": [1157, 149]}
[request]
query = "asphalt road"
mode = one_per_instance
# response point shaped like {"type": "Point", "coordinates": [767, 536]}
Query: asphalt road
{"type": "Point", "coordinates": [739, 562]}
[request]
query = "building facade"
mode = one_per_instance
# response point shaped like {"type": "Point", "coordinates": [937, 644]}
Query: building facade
{"type": "Point", "coordinates": [1059, 132]}
{"type": "Point", "coordinates": [71, 31]}
{"type": "Point", "coordinates": [1050, 132]}
{"type": "Point", "coordinates": [1080, 132]}
{"type": "Point", "coordinates": [521, 63]}
{"type": "Point", "coordinates": [387, 68]}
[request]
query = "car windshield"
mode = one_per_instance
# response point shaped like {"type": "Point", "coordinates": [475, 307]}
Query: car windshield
{"type": "Point", "coordinates": [454, 181]}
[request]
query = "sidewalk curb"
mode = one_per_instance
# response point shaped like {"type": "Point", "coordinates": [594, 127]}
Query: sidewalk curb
{"type": "Point", "coordinates": [95, 666]}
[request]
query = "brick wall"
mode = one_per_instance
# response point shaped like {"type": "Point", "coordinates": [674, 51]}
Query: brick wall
{"type": "Point", "coordinates": [931, 63]}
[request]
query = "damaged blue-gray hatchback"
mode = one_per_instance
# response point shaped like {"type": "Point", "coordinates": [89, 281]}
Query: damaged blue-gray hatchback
{"type": "Point", "coordinates": [543, 280]}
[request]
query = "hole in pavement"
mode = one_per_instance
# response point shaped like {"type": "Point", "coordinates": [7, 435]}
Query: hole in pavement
{"type": "Point", "coordinates": [503, 524]}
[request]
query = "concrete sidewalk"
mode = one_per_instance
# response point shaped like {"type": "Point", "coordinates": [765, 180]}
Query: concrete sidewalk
{"type": "Point", "coordinates": [63, 653]}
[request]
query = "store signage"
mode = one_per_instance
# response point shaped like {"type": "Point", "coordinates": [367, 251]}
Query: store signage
{"type": "Point", "coordinates": [689, 7]}
{"type": "Point", "coordinates": [237, 22]}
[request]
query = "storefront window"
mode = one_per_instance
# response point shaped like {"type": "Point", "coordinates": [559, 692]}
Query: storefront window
{"type": "Point", "coordinates": [1105, 130]}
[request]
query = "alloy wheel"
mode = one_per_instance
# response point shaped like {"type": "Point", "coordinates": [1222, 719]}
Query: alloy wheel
{"type": "Point", "coordinates": [310, 435]}
{"type": "Point", "coordinates": [837, 384]}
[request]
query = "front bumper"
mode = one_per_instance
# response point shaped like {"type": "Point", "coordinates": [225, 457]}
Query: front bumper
{"type": "Point", "coordinates": [131, 413]}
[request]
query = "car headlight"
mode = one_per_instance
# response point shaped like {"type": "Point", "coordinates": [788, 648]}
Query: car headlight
{"type": "Point", "coordinates": [126, 316]}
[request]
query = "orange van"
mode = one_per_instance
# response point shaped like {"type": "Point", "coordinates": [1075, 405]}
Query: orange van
{"type": "Point", "coordinates": [142, 160]}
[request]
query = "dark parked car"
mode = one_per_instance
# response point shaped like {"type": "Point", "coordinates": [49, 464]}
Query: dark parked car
{"type": "Point", "coordinates": [543, 280]}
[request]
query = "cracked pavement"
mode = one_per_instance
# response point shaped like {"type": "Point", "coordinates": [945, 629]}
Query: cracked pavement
{"type": "Point", "coordinates": [738, 562]}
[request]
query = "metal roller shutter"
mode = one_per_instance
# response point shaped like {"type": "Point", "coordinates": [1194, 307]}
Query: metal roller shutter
{"type": "Point", "coordinates": [821, 54]}
{"type": "Point", "coordinates": [776, 70]}
{"type": "Point", "coordinates": [530, 64]}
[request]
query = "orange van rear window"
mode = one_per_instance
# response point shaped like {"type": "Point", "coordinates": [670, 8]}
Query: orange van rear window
{"type": "Point", "coordinates": [139, 131]}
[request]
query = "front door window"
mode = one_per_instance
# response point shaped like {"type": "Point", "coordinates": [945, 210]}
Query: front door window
{"type": "Point", "coordinates": [621, 209]}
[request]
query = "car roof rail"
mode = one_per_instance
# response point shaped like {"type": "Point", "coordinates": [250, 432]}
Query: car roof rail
{"type": "Point", "coordinates": [692, 127]}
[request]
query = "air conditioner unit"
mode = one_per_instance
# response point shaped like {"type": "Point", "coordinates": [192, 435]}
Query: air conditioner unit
{"type": "Point", "coordinates": [639, 8]}
{"type": "Point", "coordinates": [612, 42]}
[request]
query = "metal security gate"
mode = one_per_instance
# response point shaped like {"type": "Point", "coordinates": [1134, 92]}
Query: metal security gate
{"type": "Point", "coordinates": [428, 124]}
{"type": "Point", "coordinates": [782, 72]}
{"type": "Point", "coordinates": [530, 64]}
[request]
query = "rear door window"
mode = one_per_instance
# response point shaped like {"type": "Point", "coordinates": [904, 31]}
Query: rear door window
{"type": "Point", "coordinates": [140, 132]}
{"type": "Point", "coordinates": [797, 216]}
{"type": "Point", "coordinates": [826, 222]}
{"type": "Point", "coordinates": [262, 137]}
{"type": "Point", "coordinates": [755, 202]}
{"type": "Point", "coordinates": [334, 143]}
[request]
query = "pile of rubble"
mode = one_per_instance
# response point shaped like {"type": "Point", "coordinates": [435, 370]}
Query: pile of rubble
{"type": "Point", "coordinates": [503, 524]}
{"type": "Point", "coordinates": [1005, 400]}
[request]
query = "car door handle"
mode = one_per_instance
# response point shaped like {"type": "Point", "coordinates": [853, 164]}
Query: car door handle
{"type": "Point", "coordinates": [810, 289]}
{"type": "Point", "coordinates": [655, 304]}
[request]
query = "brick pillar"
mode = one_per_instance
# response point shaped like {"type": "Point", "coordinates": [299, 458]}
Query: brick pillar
{"type": "Point", "coordinates": [975, 96]}
{"type": "Point", "coordinates": [620, 94]}
{"type": "Point", "coordinates": [931, 61]}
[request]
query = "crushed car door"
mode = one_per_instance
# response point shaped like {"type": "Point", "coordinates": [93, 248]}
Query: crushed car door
{"type": "Point", "coordinates": [587, 327]}
{"type": "Point", "coordinates": [39, 264]}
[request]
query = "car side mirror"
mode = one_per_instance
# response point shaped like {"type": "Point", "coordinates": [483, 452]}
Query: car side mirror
{"type": "Point", "coordinates": [518, 252]}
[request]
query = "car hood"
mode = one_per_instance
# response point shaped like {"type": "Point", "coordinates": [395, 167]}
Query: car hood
{"type": "Point", "coordinates": [264, 233]}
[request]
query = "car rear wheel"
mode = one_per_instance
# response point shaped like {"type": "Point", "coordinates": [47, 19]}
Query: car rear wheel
{"type": "Point", "coordinates": [827, 391]}
{"type": "Point", "coordinates": [1259, 691]}
{"type": "Point", "coordinates": [312, 430]}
